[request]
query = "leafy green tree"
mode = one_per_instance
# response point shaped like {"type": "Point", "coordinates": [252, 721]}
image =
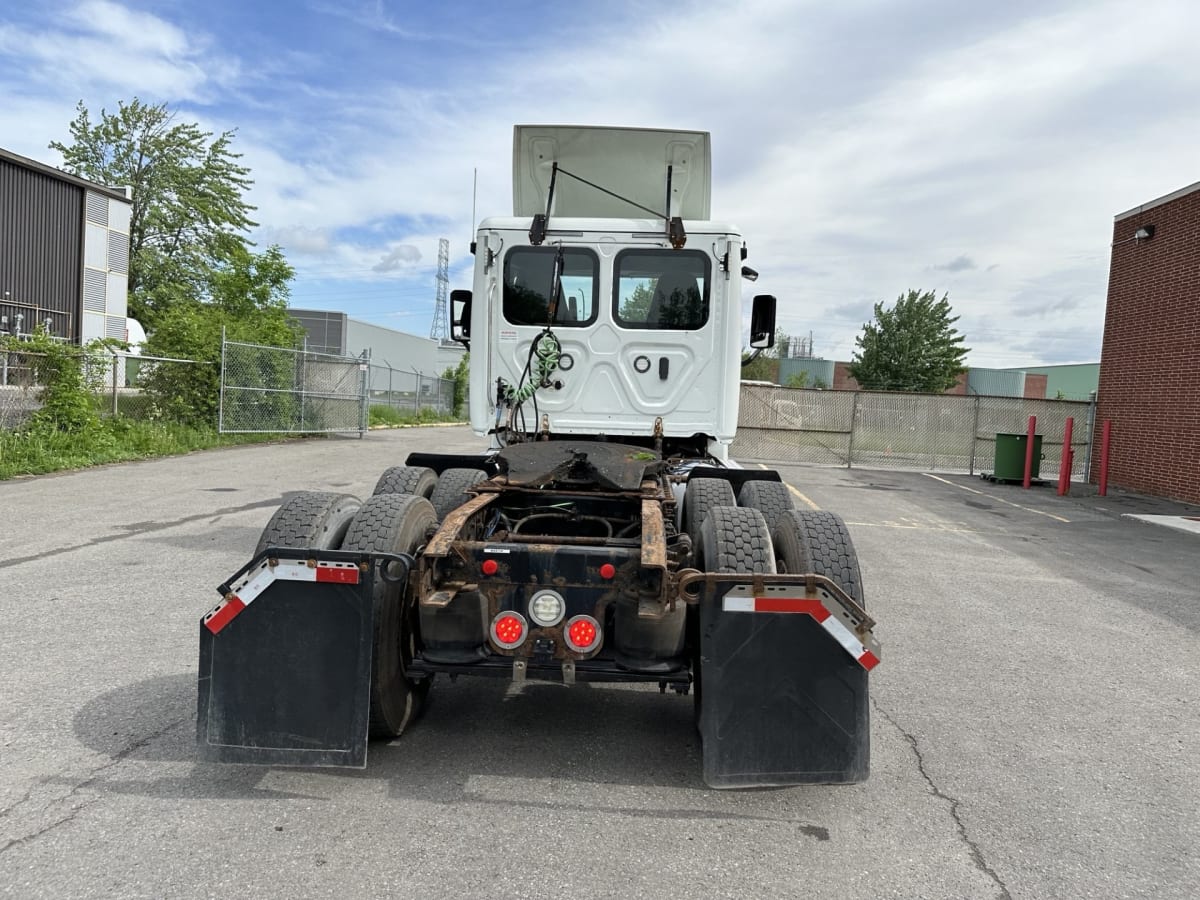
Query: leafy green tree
{"type": "Point", "coordinates": [460, 375]}
{"type": "Point", "coordinates": [911, 347]}
{"type": "Point", "coordinates": [189, 214]}
{"type": "Point", "coordinates": [797, 380]}
{"type": "Point", "coordinates": [636, 307]}
{"type": "Point", "coordinates": [248, 299]}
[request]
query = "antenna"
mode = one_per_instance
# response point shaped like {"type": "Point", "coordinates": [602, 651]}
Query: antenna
{"type": "Point", "coordinates": [440, 329]}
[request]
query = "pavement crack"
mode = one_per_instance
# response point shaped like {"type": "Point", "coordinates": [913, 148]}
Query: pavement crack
{"type": "Point", "coordinates": [92, 776]}
{"type": "Point", "coordinates": [973, 849]}
{"type": "Point", "coordinates": [140, 528]}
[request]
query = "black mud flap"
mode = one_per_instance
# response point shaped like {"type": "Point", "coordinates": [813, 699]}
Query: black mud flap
{"type": "Point", "coordinates": [783, 681]}
{"type": "Point", "coordinates": [285, 662]}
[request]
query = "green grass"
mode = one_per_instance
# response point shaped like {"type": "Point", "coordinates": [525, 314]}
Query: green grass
{"type": "Point", "coordinates": [38, 451]}
{"type": "Point", "coordinates": [382, 414]}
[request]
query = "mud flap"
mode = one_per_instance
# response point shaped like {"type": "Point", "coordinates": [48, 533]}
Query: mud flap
{"type": "Point", "coordinates": [784, 672]}
{"type": "Point", "coordinates": [285, 663]}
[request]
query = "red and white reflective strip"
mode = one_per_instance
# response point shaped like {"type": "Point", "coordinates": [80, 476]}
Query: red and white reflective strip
{"type": "Point", "coordinates": [815, 608]}
{"type": "Point", "coordinates": [242, 593]}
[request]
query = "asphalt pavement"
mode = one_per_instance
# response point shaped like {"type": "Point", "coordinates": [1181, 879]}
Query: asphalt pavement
{"type": "Point", "coordinates": [1034, 720]}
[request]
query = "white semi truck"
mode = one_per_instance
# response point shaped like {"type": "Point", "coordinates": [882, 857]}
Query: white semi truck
{"type": "Point", "coordinates": [604, 534]}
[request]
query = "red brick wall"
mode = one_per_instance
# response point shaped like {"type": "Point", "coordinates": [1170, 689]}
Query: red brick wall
{"type": "Point", "coordinates": [1035, 386]}
{"type": "Point", "coordinates": [842, 380]}
{"type": "Point", "coordinates": [1150, 360]}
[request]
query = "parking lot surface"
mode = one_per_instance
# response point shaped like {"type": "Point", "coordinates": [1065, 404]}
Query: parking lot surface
{"type": "Point", "coordinates": [1034, 724]}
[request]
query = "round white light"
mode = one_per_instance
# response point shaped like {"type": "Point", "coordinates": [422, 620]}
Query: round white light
{"type": "Point", "coordinates": [547, 608]}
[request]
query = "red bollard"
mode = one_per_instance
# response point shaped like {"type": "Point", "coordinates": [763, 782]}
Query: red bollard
{"type": "Point", "coordinates": [1105, 440]}
{"type": "Point", "coordinates": [1029, 452]}
{"type": "Point", "coordinates": [1064, 467]}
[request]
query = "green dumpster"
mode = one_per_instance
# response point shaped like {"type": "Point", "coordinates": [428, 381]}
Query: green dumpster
{"type": "Point", "coordinates": [1010, 457]}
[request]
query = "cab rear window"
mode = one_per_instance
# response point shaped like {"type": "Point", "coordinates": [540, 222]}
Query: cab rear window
{"type": "Point", "coordinates": [528, 275]}
{"type": "Point", "coordinates": [662, 289]}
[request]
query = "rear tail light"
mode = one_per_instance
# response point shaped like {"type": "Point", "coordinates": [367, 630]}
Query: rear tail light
{"type": "Point", "coordinates": [509, 630]}
{"type": "Point", "coordinates": [582, 634]}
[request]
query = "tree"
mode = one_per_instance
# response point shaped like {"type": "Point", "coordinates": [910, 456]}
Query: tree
{"type": "Point", "coordinates": [188, 214]}
{"type": "Point", "coordinates": [247, 298]}
{"type": "Point", "coordinates": [911, 347]}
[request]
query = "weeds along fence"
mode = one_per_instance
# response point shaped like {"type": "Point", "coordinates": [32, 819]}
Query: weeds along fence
{"type": "Point", "coordinates": [409, 393]}
{"type": "Point", "coordinates": [119, 384]}
{"type": "Point", "coordinates": [923, 432]}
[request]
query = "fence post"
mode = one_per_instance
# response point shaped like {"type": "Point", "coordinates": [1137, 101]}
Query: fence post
{"type": "Point", "coordinates": [1105, 442]}
{"type": "Point", "coordinates": [974, 434]}
{"type": "Point", "coordinates": [853, 421]}
{"type": "Point", "coordinates": [114, 376]}
{"type": "Point", "coordinates": [1028, 479]}
{"type": "Point", "coordinates": [1091, 438]}
{"type": "Point", "coordinates": [221, 388]}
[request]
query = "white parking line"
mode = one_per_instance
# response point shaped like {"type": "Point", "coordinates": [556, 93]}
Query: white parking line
{"type": "Point", "coordinates": [997, 499]}
{"type": "Point", "coordinates": [803, 499]}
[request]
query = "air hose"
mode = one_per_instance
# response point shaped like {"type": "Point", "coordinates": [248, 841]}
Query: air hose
{"type": "Point", "coordinates": [544, 356]}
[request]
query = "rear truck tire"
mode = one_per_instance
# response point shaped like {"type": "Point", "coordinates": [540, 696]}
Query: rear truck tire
{"type": "Point", "coordinates": [818, 542]}
{"type": "Point", "coordinates": [702, 495]}
{"type": "Point", "coordinates": [733, 539]}
{"type": "Point", "coordinates": [736, 539]}
{"type": "Point", "coordinates": [416, 480]}
{"type": "Point", "coordinates": [309, 519]}
{"type": "Point", "coordinates": [392, 523]}
{"type": "Point", "coordinates": [771, 498]}
{"type": "Point", "coordinates": [450, 492]}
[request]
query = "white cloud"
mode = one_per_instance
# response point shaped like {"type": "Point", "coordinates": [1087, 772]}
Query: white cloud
{"type": "Point", "coordinates": [399, 257]}
{"type": "Point", "coordinates": [864, 148]}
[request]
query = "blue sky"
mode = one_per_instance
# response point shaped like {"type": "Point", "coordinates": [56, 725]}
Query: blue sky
{"type": "Point", "coordinates": [864, 147]}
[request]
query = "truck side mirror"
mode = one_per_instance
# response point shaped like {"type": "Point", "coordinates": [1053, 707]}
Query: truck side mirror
{"type": "Point", "coordinates": [762, 322]}
{"type": "Point", "coordinates": [460, 317]}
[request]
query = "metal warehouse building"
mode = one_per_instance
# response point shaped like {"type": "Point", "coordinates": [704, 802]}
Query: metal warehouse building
{"type": "Point", "coordinates": [64, 252]}
{"type": "Point", "coordinates": [1150, 359]}
{"type": "Point", "coordinates": [335, 332]}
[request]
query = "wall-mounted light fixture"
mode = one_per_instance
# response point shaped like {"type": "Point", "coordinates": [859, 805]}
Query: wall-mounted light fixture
{"type": "Point", "coordinates": [1144, 233]}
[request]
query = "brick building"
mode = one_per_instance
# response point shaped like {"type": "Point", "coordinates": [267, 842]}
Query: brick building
{"type": "Point", "coordinates": [1150, 359]}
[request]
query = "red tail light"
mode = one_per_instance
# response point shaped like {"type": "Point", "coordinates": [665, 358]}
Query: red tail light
{"type": "Point", "coordinates": [582, 634]}
{"type": "Point", "coordinates": [509, 630]}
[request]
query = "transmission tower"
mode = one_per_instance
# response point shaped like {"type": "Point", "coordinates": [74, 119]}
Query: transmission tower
{"type": "Point", "coordinates": [441, 328]}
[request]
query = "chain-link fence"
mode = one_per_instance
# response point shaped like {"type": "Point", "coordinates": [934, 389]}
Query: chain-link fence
{"type": "Point", "coordinates": [280, 390]}
{"type": "Point", "coordinates": [409, 392]}
{"type": "Point", "coordinates": [120, 384]}
{"type": "Point", "coordinates": [925, 432]}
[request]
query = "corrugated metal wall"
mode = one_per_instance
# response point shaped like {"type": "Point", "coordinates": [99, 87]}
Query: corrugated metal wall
{"type": "Point", "coordinates": [995, 382]}
{"type": "Point", "coordinates": [816, 370]}
{"type": "Point", "coordinates": [325, 331]}
{"type": "Point", "coordinates": [40, 254]}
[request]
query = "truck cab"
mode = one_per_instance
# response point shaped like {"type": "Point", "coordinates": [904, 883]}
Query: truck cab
{"type": "Point", "coordinates": [645, 314]}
